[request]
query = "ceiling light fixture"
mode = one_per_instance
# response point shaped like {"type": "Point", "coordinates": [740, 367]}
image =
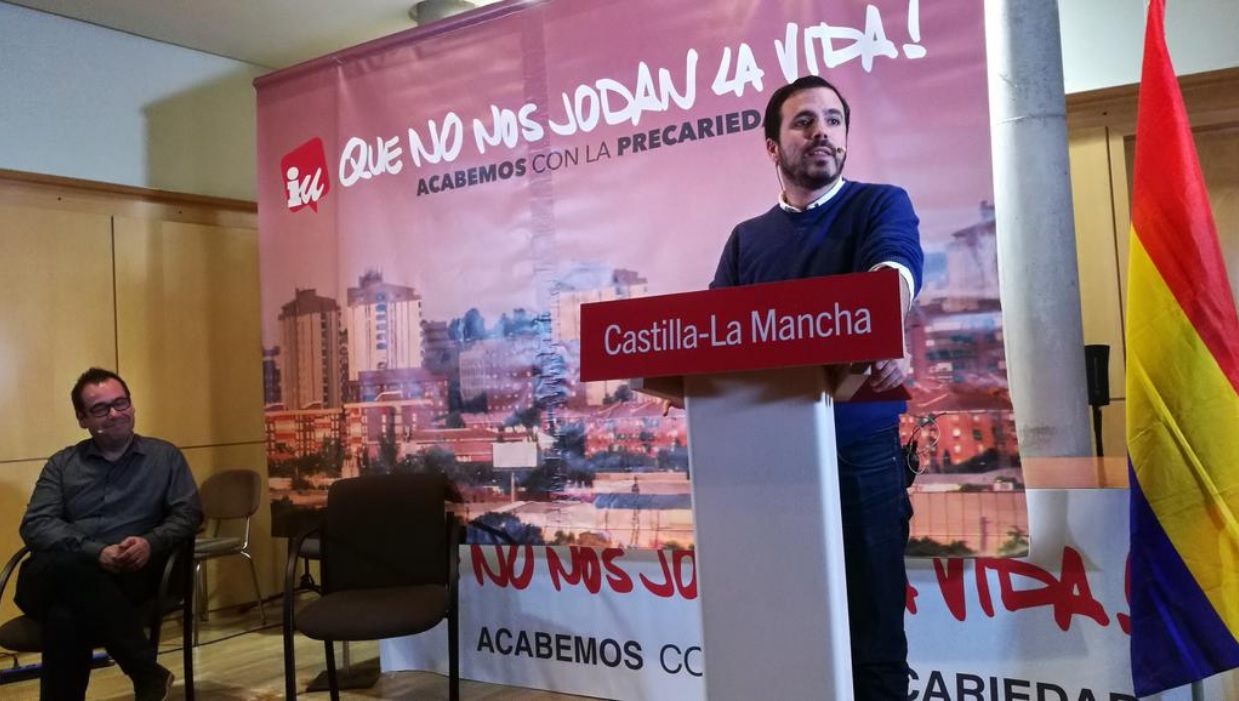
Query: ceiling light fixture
{"type": "Point", "coordinates": [427, 11]}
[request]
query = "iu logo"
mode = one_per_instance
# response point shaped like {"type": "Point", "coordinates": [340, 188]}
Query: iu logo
{"type": "Point", "coordinates": [305, 175]}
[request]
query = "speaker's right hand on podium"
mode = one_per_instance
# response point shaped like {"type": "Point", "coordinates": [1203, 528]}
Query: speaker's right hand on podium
{"type": "Point", "coordinates": [886, 375]}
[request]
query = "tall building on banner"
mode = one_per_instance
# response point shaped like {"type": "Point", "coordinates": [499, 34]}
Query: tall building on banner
{"type": "Point", "coordinates": [581, 285]}
{"type": "Point", "coordinates": [972, 262]}
{"type": "Point", "coordinates": [1182, 401]}
{"type": "Point", "coordinates": [440, 354]}
{"type": "Point", "coordinates": [311, 358]}
{"type": "Point", "coordinates": [384, 326]}
{"type": "Point", "coordinates": [271, 376]}
{"type": "Point", "coordinates": [501, 369]}
{"type": "Point", "coordinates": [591, 283]}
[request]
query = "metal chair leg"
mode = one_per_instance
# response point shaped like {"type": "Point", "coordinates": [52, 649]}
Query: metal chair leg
{"type": "Point", "coordinates": [188, 645]}
{"type": "Point", "coordinates": [287, 628]}
{"type": "Point", "coordinates": [307, 580]}
{"type": "Point", "coordinates": [331, 670]}
{"type": "Point", "coordinates": [199, 606]}
{"type": "Point", "coordinates": [200, 574]}
{"type": "Point", "coordinates": [290, 663]}
{"type": "Point", "coordinates": [262, 611]}
{"type": "Point", "coordinates": [453, 637]}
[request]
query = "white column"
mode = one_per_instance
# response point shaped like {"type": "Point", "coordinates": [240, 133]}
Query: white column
{"type": "Point", "coordinates": [1036, 234]}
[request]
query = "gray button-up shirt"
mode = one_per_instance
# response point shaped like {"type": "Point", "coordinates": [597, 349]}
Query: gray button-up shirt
{"type": "Point", "coordinates": [82, 502]}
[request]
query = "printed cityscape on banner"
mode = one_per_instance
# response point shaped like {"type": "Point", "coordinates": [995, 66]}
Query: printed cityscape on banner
{"type": "Point", "coordinates": [369, 385]}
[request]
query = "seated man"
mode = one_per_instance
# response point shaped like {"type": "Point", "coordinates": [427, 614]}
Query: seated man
{"type": "Point", "coordinates": [104, 516]}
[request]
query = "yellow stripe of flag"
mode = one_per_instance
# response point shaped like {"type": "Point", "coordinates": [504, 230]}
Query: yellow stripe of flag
{"type": "Point", "coordinates": [1195, 427]}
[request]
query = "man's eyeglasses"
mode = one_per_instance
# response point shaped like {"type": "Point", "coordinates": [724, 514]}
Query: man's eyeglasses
{"type": "Point", "coordinates": [101, 410]}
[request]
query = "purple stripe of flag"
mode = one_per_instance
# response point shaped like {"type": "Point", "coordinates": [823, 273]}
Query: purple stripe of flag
{"type": "Point", "coordinates": [1177, 637]}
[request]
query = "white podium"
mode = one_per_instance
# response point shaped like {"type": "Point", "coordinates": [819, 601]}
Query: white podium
{"type": "Point", "coordinates": [762, 458]}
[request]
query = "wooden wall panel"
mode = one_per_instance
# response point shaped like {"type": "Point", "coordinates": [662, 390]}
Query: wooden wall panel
{"type": "Point", "coordinates": [16, 483]}
{"type": "Point", "coordinates": [1101, 135]}
{"type": "Point", "coordinates": [56, 320]}
{"type": "Point", "coordinates": [1114, 427]}
{"type": "Point", "coordinates": [1219, 160]}
{"type": "Point", "coordinates": [1100, 288]}
{"type": "Point", "coordinates": [1121, 146]}
{"type": "Point", "coordinates": [188, 333]}
{"type": "Point", "coordinates": [1098, 249]}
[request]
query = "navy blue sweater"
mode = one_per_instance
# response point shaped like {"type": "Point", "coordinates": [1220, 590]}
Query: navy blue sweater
{"type": "Point", "coordinates": [861, 226]}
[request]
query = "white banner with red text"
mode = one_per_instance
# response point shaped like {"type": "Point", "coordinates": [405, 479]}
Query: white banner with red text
{"type": "Point", "coordinates": [625, 624]}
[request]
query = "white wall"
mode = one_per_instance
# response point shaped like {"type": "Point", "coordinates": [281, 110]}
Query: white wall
{"type": "Point", "coordinates": [82, 101]}
{"type": "Point", "coordinates": [1103, 40]}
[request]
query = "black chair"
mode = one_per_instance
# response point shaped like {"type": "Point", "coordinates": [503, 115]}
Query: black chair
{"type": "Point", "coordinates": [176, 592]}
{"type": "Point", "coordinates": [389, 569]}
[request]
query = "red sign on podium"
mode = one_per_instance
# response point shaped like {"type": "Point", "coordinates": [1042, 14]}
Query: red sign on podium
{"type": "Point", "coordinates": [816, 321]}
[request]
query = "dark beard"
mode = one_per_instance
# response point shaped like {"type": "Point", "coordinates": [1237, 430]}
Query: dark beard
{"type": "Point", "coordinates": [801, 178]}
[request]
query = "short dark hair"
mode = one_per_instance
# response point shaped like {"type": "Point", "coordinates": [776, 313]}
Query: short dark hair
{"type": "Point", "coordinates": [93, 376]}
{"type": "Point", "coordinates": [774, 108]}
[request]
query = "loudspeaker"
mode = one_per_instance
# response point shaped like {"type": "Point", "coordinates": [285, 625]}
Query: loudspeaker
{"type": "Point", "coordinates": [1097, 372]}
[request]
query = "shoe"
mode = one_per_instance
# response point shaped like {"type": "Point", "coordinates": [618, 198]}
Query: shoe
{"type": "Point", "coordinates": [153, 686]}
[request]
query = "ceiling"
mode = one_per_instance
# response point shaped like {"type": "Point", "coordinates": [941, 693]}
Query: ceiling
{"type": "Point", "coordinates": [268, 33]}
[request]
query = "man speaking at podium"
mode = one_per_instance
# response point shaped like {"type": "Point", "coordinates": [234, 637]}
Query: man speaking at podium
{"type": "Point", "coordinates": [825, 225]}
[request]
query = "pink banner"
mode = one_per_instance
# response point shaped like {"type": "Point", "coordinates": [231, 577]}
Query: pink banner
{"type": "Point", "coordinates": [436, 206]}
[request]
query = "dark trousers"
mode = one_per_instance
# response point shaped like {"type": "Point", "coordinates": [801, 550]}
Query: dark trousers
{"type": "Point", "coordinates": [82, 606]}
{"type": "Point", "coordinates": [876, 511]}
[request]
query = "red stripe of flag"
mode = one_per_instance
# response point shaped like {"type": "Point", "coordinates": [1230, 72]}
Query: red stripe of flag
{"type": "Point", "coordinates": [1178, 231]}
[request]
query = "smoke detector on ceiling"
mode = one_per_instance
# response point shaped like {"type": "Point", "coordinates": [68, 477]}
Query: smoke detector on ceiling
{"type": "Point", "coordinates": [427, 11]}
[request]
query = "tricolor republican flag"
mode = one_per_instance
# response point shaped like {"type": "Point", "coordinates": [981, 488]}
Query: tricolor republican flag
{"type": "Point", "coordinates": [1182, 401]}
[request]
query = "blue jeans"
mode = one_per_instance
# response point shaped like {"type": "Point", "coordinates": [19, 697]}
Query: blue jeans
{"type": "Point", "coordinates": [876, 512]}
